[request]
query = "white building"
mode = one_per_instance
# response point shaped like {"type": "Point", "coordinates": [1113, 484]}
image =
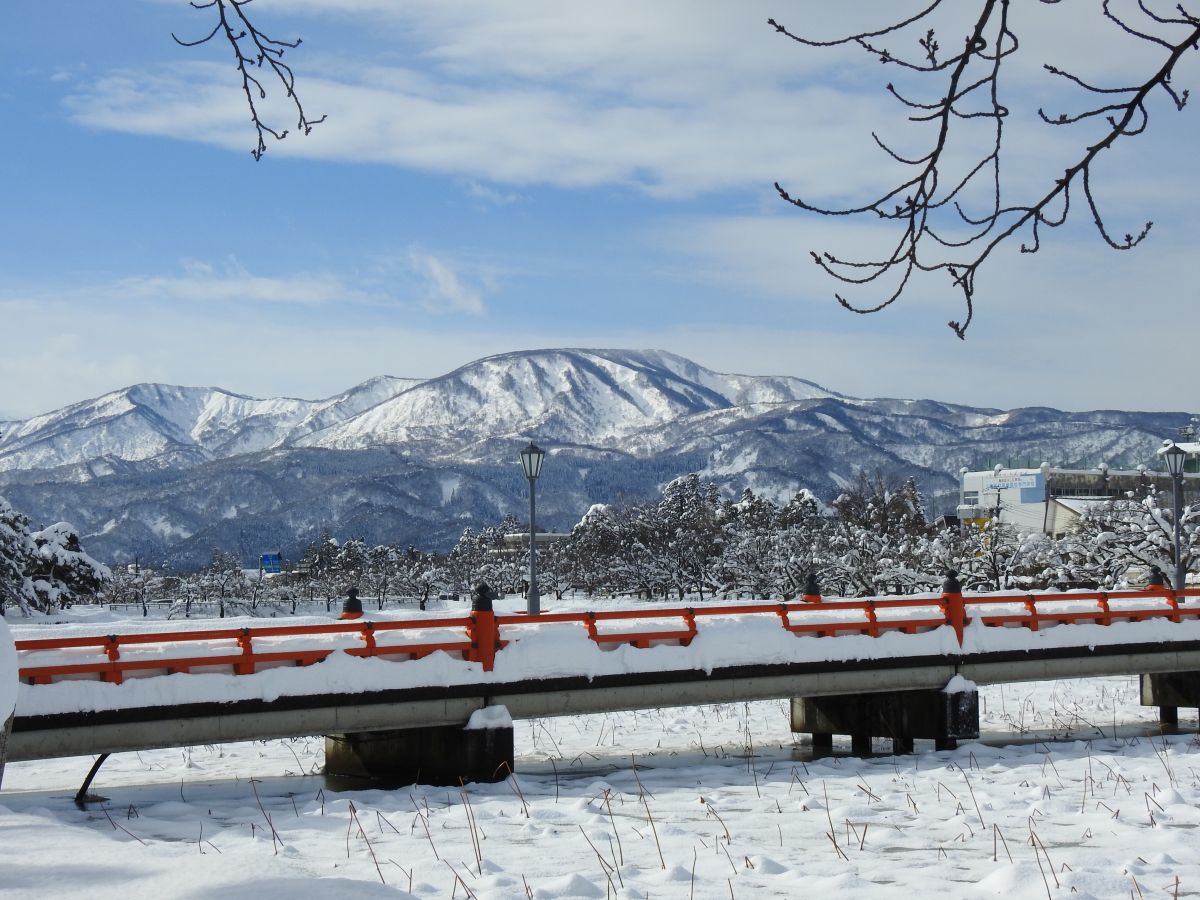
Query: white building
{"type": "Point", "coordinates": [1052, 500]}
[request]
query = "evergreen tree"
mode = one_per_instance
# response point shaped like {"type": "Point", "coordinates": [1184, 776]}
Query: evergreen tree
{"type": "Point", "coordinates": [47, 569]}
{"type": "Point", "coordinates": [594, 552]}
{"type": "Point", "coordinates": [686, 534]}
{"type": "Point", "coordinates": [16, 556]}
{"type": "Point", "coordinates": [750, 559]}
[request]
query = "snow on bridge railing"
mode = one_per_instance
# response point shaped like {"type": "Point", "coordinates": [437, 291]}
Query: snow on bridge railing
{"type": "Point", "coordinates": [478, 636]}
{"type": "Point", "coordinates": [243, 650]}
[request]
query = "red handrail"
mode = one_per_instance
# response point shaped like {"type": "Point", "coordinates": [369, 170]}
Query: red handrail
{"type": "Point", "coordinates": [479, 632]}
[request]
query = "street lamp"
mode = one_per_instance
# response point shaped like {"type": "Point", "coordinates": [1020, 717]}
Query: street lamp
{"type": "Point", "coordinates": [531, 462]}
{"type": "Point", "coordinates": [1174, 456]}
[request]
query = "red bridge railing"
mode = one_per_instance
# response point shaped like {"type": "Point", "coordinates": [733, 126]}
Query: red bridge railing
{"type": "Point", "coordinates": [478, 636]}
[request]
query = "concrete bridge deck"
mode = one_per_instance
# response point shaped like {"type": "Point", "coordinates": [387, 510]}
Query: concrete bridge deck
{"type": "Point", "coordinates": [82, 733]}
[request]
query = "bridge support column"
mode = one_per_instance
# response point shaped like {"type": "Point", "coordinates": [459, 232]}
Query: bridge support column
{"type": "Point", "coordinates": [900, 715]}
{"type": "Point", "coordinates": [1169, 691]}
{"type": "Point", "coordinates": [5, 731]}
{"type": "Point", "coordinates": [481, 751]}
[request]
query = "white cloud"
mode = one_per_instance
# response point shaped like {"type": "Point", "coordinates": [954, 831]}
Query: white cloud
{"type": "Point", "coordinates": [201, 283]}
{"type": "Point", "coordinates": [519, 135]}
{"type": "Point", "coordinates": [675, 98]}
{"type": "Point", "coordinates": [444, 289]}
{"type": "Point", "coordinates": [415, 280]}
{"type": "Point", "coordinates": [489, 195]}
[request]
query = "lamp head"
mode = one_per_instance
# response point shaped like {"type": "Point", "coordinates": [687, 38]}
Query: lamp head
{"type": "Point", "coordinates": [1174, 457]}
{"type": "Point", "coordinates": [531, 460]}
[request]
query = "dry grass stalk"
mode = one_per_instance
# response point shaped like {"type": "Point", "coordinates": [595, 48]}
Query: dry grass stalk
{"type": "Point", "coordinates": [612, 821]}
{"type": "Point", "coordinates": [712, 812]}
{"type": "Point", "coordinates": [122, 828]}
{"type": "Point", "coordinates": [971, 788]}
{"type": "Point", "coordinates": [407, 872]}
{"type": "Point", "coordinates": [997, 833]}
{"type": "Point", "coordinates": [1036, 843]}
{"type": "Point", "coordinates": [424, 818]}
{"type": "Point", "coordinates": [200, 841]}
{"type": "Point", "coordinates": [642, 792]}
{"type": "Point", "coordinates": [381, 819]}
{"type": "Point", "coordinates": [832, 832]}
{"type": "Point", "coordinates": [363, 834]}
{"type": "Point", "coordinates": [457, 881]}
{"type": "Point", "coordinates": [473, 828]}
{"type": "Point", "coordinates": [654, 829]}
{"type": "Point", "coordinates": [276, 840]}
{"type": "Point", "coordinates": [605, 867]}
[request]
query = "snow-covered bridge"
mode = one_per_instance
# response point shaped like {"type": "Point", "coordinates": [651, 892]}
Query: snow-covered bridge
{"type": "Point", "coordinates": [139, 687]}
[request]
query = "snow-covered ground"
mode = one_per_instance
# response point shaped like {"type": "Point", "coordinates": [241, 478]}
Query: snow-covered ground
{"type": "Point", "coordinates": [1075, 794]}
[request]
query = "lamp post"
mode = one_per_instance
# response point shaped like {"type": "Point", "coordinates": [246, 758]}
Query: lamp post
{"type": "Point", "coordinates": [1174, 456]}
{"type": "Point", "coordinates": [531, 462]}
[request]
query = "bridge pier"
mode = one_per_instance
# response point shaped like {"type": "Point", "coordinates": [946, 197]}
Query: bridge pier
{"type": "Point", "coordinates": [480, 751]}
{"type": "Point", "coordinates": [1169, 691]}
{"type": "Point", "coordinates": [945, 717]}
{"type": "Point", "coordinates": [5, 731]}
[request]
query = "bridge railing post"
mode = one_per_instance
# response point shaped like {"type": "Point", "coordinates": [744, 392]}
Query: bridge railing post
{"type": "Point", "coordinates": [112, 650]}
{"type": "Point", "coordinates": [245, 641]}
{"type": "Point", "coordinates": [1158, 582]}
{"type": "Point", "coordinates": [482, 628]}
{"type": "Point", "coordinates": [952, 601]}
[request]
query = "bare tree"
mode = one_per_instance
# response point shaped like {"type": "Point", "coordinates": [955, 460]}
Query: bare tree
{"type": "Point", "coordinates": [950, 217]}
{"type": "Point", "coordinates": [255, 53]}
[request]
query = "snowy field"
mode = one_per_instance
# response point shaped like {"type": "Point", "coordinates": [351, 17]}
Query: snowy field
{"type": "Point", "coordinates": [1075, 794]}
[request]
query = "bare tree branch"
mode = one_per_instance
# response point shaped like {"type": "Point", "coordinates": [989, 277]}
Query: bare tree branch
{"type": "Point", "coordinates": [969, 90]}
{"type": "Point", "coordinates": [254, 51]}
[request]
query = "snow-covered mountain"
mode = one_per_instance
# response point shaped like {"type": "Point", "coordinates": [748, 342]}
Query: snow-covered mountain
{"type": "Point", "coordinates": [165, 426]}
{"type": "Point", "coordinates": [171, 472]}
{"type": "Point", "coordinates": [582, 397]}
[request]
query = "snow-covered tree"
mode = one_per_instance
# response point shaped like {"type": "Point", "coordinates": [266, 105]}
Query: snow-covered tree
{"type": "Point", "coordinates": [382, 568]}
{"type": "Point", "coordinates": [555, 571]}
{"type": "Point", "coordinates": [47, 569]}
{"type": "Point", "coordinates": [594, 551]}
{"type": "Point", "coordinates": [686, 536]}
{"type": "Point", "coordinates": [16, 555]}
{"type": "Point", "coordinates": [1126, 533]}
{"type": "Point", "coordinates": [353, 560]}
{"type": "Point", "coordinates": [226, 579]}
{"type": "Point", "coordinates": [320, 562]}
{"type": "Point", "coordinates": [420, 575]}
{"type": "Point", "coordinates": [752, 552]}
{"type": "Point", "coordinates": [876, 544]}
{"type": "Point", "coordinates": [995, 556]}
{"type": "Point", "coordinates": [465, 562]}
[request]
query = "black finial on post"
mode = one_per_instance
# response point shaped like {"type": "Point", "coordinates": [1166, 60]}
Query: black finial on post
{"type": "Point", "coordinates": [1156, 578]}
{"type": "Point", "coordinates": [951, 585]}
{"type": "Point", "coordinates": [482, 596]}
{"type": "Point", "coordinates": [352, 608]}
{"type": "Point", "coordinates": [812, 587]}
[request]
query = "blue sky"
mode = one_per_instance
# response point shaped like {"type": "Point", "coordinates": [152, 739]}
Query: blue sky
{"type": "Point", "coordinates": [504, 176]}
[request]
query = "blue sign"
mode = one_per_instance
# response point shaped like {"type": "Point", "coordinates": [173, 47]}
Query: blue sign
{"type": "Point", "coordinates": [272, 563]}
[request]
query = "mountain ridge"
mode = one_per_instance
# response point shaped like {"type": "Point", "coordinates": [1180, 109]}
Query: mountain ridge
{"type": "Point", "coordinates": [162, 471]}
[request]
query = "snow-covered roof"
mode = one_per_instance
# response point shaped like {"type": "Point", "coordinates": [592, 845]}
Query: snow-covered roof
{"type": "Point", "coordinates": [1190, 448]}
{"type": "Point", "coordinates": [1079, 505]}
